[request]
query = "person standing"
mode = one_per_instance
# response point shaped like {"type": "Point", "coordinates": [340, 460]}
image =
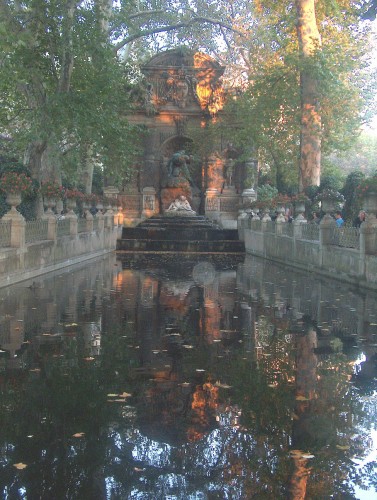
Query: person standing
{"type": "Point", "coordinates": [339, 219]}
{"type": "Point", "coordinates": [359, 219]}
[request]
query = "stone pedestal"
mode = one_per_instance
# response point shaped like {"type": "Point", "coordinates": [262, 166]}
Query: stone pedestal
{"type": "Point", "coordinates": [169, 194]}
{"type": "Point", "coordinates": [149, 202]}
{"type": "Point", "coordinates": [229, 205]}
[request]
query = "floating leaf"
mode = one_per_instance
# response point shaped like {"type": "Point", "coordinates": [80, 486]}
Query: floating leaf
{"type": "Point", "coordinates": [125, 395]}
{"type": "Point", "coordinates": [78, 434]}
{"type": "Point", "coordinates": [307, 455]}
{"type": "Point", "coordinates": [342, 447]}
{"type": "Point", "coordinates": [302, 398]}
{"type": "Point", "coordinates": [20, 466]}
{"type": "Point", "coordinates": [112, 395]}
{"type": "Point", "coordinates": [223, 386]}
{"type": "Point", "coordinates": [89, 358]}
{"type": "Point", "coordinates": [185, 384]}
{"type": "Point", "coordinates": [187, 346]}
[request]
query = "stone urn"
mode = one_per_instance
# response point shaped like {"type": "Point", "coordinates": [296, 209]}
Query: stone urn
{"type": "Point", "coordinates": [299, 210]}
{"type": "Point", "coordinates": [369, 203]}
{"type": "Point", "coordinates": [328, 205]}
{"type": "Point", "coordinates": [99, 207]}
{"type": "Point", "coordinates": [280, 209]}
{"type": "Point", "coordinates": [49, 203]}
{"type": "Point", "coordinates": [71, 205]}
{"type": "Point", "coordinates": [14, 200]}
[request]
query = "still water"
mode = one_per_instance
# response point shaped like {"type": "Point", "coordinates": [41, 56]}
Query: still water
{"type": "Point", "coordinates": [187, 381]}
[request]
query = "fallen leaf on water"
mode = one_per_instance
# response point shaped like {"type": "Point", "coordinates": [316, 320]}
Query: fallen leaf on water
{"type": "Point", "coordinates": [35, 370]}
{"type": "Point", "coordinates": [342, 447]}
{"type": "Point", "coordinates": [187, 346]}
{"type": "Point", "coordinates": [296, 453]}
{"type": "Point", "coordinates": [112, 395]}
{"type": "Point", "coordinates": [223, 386]}
{"type": "Point", "coordinates": [307, 455]}
{"type": "Point", "coordinates": [20, 466]}
{"type": "Point", "coordinates": [137, 469]}
{"type": "Point", "coordinates": [78, 434]}
{"type": "Point", "coordinates": [302, 398]}
{"type": "Point", "coordinates": [119, 400]}
{"type": "Point", "coordinates": [125, 395]}
{"type": "Point", "coordinates": [200, 370]}
{"type": "Point", "coordinates": [89, 358]}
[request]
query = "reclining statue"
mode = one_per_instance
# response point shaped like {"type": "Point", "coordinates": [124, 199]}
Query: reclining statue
{"type": "Point", "coordinates": [181, 204]}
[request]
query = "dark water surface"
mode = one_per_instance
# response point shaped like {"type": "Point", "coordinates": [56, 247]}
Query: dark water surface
{"type": "Point", "coordinates": [186, 381]}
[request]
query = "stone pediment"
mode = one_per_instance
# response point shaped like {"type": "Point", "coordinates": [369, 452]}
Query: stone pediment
{"type": "Point", "coordinates": [184, 79]}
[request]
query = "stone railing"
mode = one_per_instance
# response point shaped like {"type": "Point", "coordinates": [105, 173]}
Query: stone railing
{"type": "Point", "coordinates": [345, 253]}
{"type": "Point", "coordinates": [30, 248]}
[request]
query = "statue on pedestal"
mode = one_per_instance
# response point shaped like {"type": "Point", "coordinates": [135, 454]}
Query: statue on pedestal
{"type": "Point", "coordinates": [180, 206]}
{"type": "Point", "coordinates": [177, 169]}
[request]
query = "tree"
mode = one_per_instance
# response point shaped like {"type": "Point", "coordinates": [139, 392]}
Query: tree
{"type": "Point", "coordinates": [309, 41]}
{"type": "Point", "coordinates": [321, 95]}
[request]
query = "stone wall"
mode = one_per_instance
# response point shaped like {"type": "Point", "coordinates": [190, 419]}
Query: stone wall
{"type": "Point", "coordinates": [294, 245]}
{"type": "Point", "coordinates": [22, 260]}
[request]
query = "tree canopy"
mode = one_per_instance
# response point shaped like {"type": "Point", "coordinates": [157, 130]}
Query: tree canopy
{"type": "Point", "coordinates": [66, 66]}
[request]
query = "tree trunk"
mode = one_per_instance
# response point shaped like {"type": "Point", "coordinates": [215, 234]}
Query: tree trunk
{"type": "Point", "coordinates": [87, 168]}
{"type": "Point", "coordinates": [310, 141]}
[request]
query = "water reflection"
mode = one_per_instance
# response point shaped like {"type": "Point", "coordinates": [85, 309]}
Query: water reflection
{"type": "Point", "coordinates": [187, 381]}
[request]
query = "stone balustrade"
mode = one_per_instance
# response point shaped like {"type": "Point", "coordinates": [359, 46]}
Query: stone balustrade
{"type": "Point", "coordinates": [30, 248]}
{"type": "Point", "coordinates": [345, 253]}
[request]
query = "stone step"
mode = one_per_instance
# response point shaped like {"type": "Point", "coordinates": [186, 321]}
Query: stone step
{"type": "Point", "coordinates": [180, 245]}
{"type": "Point", "coordinates": [185, 233]}
{"type": "Point", "coordinates": [180, 234]}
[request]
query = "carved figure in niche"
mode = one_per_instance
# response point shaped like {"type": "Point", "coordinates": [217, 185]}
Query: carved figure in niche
{"type": "Point", "coordinates": [149, 202]}
{"type": "Point", "coordinates": [177, 169]}
{"type": "Point", "coordinates": [229, 164]}
{"type": "Point", "coordinates": [181, 92]}
{"type": "Point", "coordinates": [228, 172]}
{"type": "Point", "coordinates": [180, 204]}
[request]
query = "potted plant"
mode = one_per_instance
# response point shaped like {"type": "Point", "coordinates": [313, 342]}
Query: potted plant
{"type": "Point", "coordinates": [14, 186]}
{"type": "Point", "coordinates": [51, 190]}
{"type": "Point", "coordinates": [330, 199]}
{"type": "Point", "coordinates": [367, 193]}
{"type": "Point", "coordinates": [300, 200]}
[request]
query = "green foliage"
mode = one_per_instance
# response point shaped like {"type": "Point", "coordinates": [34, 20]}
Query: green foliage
{"type": "Point", "coordinates": [352, 205]}
{"type": "Point", "coordinates": [27, 206]}
{"type": "Point", "coordinates": [266, 192]}
{"type": "Point", "coordinates": [63, 85]}
{"type": "Point", "coordinates": [269, 112]}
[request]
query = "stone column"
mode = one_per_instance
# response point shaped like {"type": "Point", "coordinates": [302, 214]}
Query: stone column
{"type": "Point", "coordinates": [17, 231]}
{"type": "Point", "coordinates": [326, 227]}
{"type": "Point", "coordinates": [149, 202]}
{"type": "Point", "coordinates": [51, 228]}
{"type": "Point", "coordinates": [73, 225]}
{"type": "Point", "coordinates": [212, 204]}
{"type": "Point", "coordinates": [101, 220]}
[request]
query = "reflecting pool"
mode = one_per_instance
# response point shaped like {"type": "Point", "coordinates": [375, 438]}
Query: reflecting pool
{"type": "Point", "coordinates": [181, 379]}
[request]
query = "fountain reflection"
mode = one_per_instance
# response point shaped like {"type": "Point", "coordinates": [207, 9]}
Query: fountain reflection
{"type": "Point", "coordinates": [190, 381]}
